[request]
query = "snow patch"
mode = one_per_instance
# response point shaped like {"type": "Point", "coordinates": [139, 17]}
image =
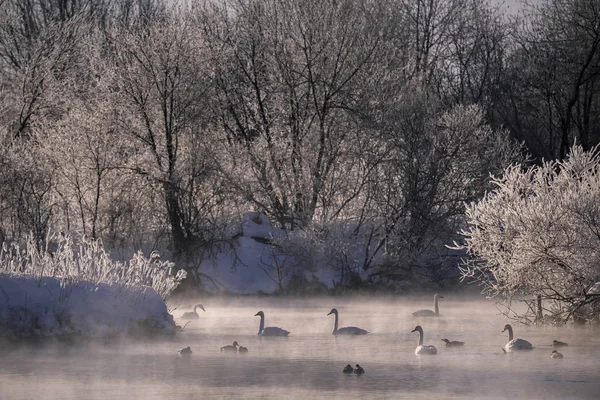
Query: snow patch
{"type": "Point", "coordinates": [52, 307]}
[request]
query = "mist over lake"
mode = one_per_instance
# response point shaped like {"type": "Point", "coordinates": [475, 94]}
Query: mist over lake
{"type": "Point", "coordinates": [309, 362]}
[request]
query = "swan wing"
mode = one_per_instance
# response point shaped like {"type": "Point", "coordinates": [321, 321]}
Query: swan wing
{"type": "Point", "coordinates": [424, 313]}
{"type": "Point", "coordinates": [518, 344]}
{"type": "Point", "coordinates": [424, 349]}
{"type": "Point", "coordinates": [189, 315]}
{"type": "Point", "coordinates": [274, 331]}
{"type": "Point", "coordinates": [351, 330]}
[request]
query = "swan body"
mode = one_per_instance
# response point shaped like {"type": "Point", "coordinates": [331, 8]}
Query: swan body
{"type": "Point", "coordinates": [453, 343]}
{"type": "Point", "coordinates": [421, 348]}
{"type": "Point", "coordinates": [429, 313]}
{"type": "Point", "coordinates": [232, 348]}
{"type": "Point", "coordinates": [348, 369]}
{"type": "Point", "coordinates": [242, 350]}
{"type": "Point", "coordinates": [348, 330]}
{"type": "Point", "coordinates": [359, 370]}
{"type": "Point", "coordinates": [193, 314]}
{"type": "Point", "coordinates": [515, 344]}
{"type": "Point", "coordinates": [557, 343]}
{"type": "Point", "coordinates": [269, 330]}
{"type": "Point", "coordinates": [556, 354]}
{"type": "Point", "coordinates": [186, 351]}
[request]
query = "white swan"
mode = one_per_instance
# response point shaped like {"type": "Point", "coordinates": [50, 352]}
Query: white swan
{"type": "Point", "coordinates": [269, 330]}
{"type": "Point", "coordinates": [421, 348]}
{"type": "Point", "coordinates": [348, 330]}
{"type": "Point", "coordinates": [515, 344]}
{"type": "Point", "coordinates": [193, 314]}
{"type": "Point", "coordinates": [429, 313]}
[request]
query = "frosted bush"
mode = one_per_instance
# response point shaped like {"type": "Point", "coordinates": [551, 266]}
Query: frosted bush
{"type": "Point", "coordinates": [538, 234]}
{"type": "Point", "coordinates": [86, 260]}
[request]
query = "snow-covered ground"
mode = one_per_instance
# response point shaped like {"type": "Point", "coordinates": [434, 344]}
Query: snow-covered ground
{"type": "Point", "coordinates": [31, 307]}
{"type": "Point", "coordinates": [252, 265]}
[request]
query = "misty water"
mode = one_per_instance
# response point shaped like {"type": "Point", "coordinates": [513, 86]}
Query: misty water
{"type": "Point", "coordinates": [309, 363]}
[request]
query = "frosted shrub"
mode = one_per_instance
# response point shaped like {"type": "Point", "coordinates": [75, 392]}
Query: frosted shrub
{"type": "Point", "coordinates": [538, 234]}
{"type": "Point", "coordinates": [87, 260]}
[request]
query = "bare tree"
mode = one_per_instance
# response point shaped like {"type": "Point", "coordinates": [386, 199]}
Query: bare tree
{"type": "Point", "coordinates": [556, 68]}
{"type": "Point", "coordinates": [164, 88]}
{"type": "Point", "coordinates": [289, 75]}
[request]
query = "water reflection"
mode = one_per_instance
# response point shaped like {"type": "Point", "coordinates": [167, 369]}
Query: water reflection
{"type": "Point", "coordinates": [309, 362]}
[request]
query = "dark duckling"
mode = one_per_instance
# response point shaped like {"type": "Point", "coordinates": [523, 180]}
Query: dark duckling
{"type": "Point", "coordinates": [453, 343]}
{"type": "Point", "coordinates": [243, 350]}
{"type": "Point", "coordinates": [359, 370]}
{"type": "Point", "coordinates": [556, 354]}
{"type": "Point", "coordinates": [558, 343]}
{"type": "Point", "coordinates": [230, 348]}
{"type": "Point", "coordinates": [186, 351]}
{"type": "Point", "coordinates": [348, 369]}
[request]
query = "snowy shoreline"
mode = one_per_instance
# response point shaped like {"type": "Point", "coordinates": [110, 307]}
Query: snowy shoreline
{"type": "Point", "coordinates": [32, 307]}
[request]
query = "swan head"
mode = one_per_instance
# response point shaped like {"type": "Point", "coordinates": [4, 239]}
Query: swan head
{"type": "Point", "coordinates": [235, 344]}
{"type": "Point", "coordinates": [417, 329]}
{"type": "Point", "coordinates": [437, 296]}
{"type": "Point", "coordinates": [259, 314]}
{"type": "Point", "coordinates": [507, 327]}
{"type": "Point", "coordinates": [200, 306]}
{"type": "Point", "coordinates": [333, 311]}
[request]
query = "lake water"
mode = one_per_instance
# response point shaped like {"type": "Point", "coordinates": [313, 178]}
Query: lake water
{"type": "Point", "coordinates": [309, 363]}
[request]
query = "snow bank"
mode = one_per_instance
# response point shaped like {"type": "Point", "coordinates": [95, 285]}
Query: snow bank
{"type": "Point", "coordinates": [254, 264]}
{"type": "Point", "coordinates": [49, 307]}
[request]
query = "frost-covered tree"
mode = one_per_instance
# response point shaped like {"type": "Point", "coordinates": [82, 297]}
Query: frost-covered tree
{"type": "Point", "coordinates": [436, 161]}
{"type": "Point", "coordinates": [538, 233]}
{"type": "Point", "coordinates": [164, 90]}
{"type": "Point", "coordinates": [289, 76]}
{"type": "Point", "coordinates": [36, 66]}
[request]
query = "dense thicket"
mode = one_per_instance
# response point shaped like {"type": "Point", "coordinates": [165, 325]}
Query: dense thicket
{"type": "Point", "coordinates": [153, 124]}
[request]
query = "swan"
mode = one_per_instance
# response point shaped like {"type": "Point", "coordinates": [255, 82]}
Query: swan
{"type": "Point", "coordinates": [429, 313]}
{"type": "Point", "coordinates": [515, 344]}
{"type": "Point", "coordinates": [186, 351]}
{"type": "Point", "coordinates": [348, 330]}
{"type": "Point", "coordinates": [453, 343]}
{"type": "Point", "coordinates": [230, 347]}
{"type": "Point", "coordinates": [359, 370]}
{"type": "Point", "coordinates": [269, 330]}
{"type": "Point", "coordinates": [193, 314]}
{"type": "Point", "coordinates": [558, 343]}
{"type": "Point", "coordinates": [242, 350]}
{"type": "Point", "coordinates": [421, 348]}
{"type": "Point", "coordinates": [348, 369]}
{"type": "Point", "coordinates": [556, 354]}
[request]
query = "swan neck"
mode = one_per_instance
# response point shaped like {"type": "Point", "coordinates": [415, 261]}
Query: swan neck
{"type": "Point", "coordinates": [510, 333]}
{"type": "Point", "coordinates": [262, 324]}
{"type": "Point", "coordinates": [420, 337]}
{"type": "Point", "coordinates": [335, 324]}
{"type": "Point", "coordinates": [435, 305]}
